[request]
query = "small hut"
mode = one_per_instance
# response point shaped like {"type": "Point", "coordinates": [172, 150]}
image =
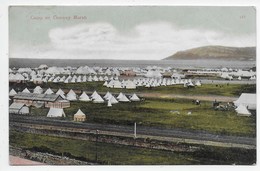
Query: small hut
{"type": "Point", "coordinates": [79, 116]}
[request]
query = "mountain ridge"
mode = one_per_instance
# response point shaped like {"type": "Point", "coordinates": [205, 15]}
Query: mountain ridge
{"type": "Point", "coordinates": [216, 52]}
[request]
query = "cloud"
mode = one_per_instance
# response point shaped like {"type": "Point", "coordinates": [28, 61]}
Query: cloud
{"type": "Point", "coordinates": [82, 36]}
{"type": "Point", "coordinates": [153, 41]}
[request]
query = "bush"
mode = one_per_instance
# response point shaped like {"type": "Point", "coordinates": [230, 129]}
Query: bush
{"type": "Point", "coordinates": [227, 155]}
{"type": "Point", "coordinates": [44, 149]}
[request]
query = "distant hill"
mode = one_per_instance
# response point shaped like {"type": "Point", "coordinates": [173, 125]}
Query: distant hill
{"type": "Point", "coordinates": [217, 52]}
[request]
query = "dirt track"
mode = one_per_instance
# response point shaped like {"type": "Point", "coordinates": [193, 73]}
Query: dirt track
{"type": "Point", "coordinates": [193, 97]}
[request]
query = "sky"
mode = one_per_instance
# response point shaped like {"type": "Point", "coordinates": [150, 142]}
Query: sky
{"type": "Point", "coordinates": [126, 32]}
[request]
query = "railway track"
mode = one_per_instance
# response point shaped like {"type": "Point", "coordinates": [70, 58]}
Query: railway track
{"type": "Point", "coordinates": [142, 131]}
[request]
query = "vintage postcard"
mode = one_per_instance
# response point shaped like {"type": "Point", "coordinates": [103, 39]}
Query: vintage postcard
{"type": "Point", "coordinates": [132, 85]}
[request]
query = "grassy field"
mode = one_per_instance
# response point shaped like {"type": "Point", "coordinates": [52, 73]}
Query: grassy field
{"type": "Point", "coordinates": [127, 155]}
{"type": "Point", "coordinates": [163, 113]}
{"type": "Point", "coordinates": [206, 89]}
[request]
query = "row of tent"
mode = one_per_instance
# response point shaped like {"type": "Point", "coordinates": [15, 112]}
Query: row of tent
{"type": "Point", "coordinates": [108, 70]}
{"type": "Point", "coordinates": [84, 78]}
{"type": "Point", "coordinates": [94, 97]}
{"type": "Point", "coordinates": [97, 98]}
{"type": "Point", "coordinates": [149, 82]}
{"type": "Point", "coordinates": [113, 82]}
{"type": "Point", "coordinates": [58, 79]}
{"type": "Point", "coordinates": [245, 103]}
{"type": "Point", "coordinates": [20, 108]}
{"type": "Point", "coordinates": [69, 70]}
{"type": "Point", "coordinates": [57, 112]}
{"type": "Point", "coordinates": [71, 79]}
{"type": "Point", "coordinates": [228, 76]}
{"type": "Point", "coordinates": [123, 84]}
{"type": "Point", "coordinates": [27, 74]}
{"type": "Point", "coordinates": [89, 70]}
{"type": "Point", "coordinates": [116, 71]}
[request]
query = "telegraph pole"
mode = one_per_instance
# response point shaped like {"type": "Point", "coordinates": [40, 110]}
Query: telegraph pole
{"type": "Point", "coordinates": [96, 144]}
{"type": "Point", "coordinates": [135, 130]}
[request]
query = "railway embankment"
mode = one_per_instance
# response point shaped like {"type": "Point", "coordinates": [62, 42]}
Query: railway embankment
{"type": "Point", "coordinates": [143, 141]}
{"type": "Point", "coordinates": [105, 138]}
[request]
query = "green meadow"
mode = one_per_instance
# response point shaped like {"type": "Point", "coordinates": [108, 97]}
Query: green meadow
{"type": "Point", "coordinates": [113, 154]}
{"type": "Point", "coordinates": [169, 113]}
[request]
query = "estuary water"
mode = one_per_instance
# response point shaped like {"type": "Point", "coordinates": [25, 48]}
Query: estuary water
{"type": "Point", "coordinates": [182, 64]}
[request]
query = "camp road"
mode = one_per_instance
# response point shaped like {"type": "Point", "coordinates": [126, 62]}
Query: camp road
{"type": "Point", "coordinates": [193, 97]}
